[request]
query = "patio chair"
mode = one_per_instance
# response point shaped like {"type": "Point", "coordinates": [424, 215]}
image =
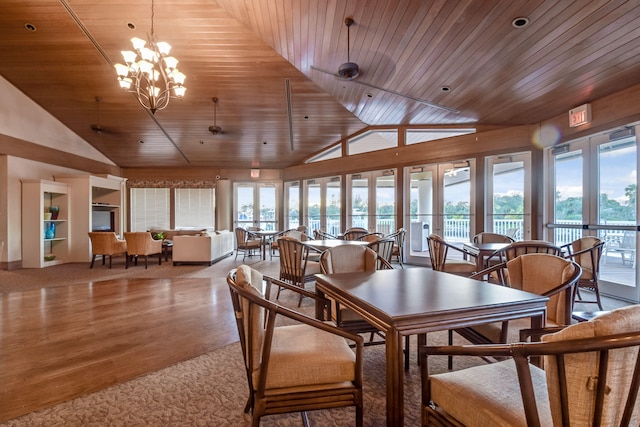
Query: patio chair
{"type": "Point", "coordinates": [107, 244]}
{"type": "Point", "coordinates": [516, 249]}
{"type": "Point", "coordinates": [354, 233]}
{"type": "Point", "coordinates": [539, 273]}
{"type": "Point", "coordinates": [245, 243]}
{"type": "Point", "coordinates": [140, 243]}
{"type": "Point", "coordinates": [295, 266]}
{"type": "Point", "coordinates": [587, 252]}
{"type": "Point", "coordinates": [348, 259]}
{"type": "Point", "coordinates": [485, 237]}
{"type": "Point", "coordinates": [322, 235]}
{"type": "Point", "coordinates": [590, 377]}
{"type": "Point", "coordinates": [438, 251]}
{"type": "Point", "coordinates": [296, 368]}
{"type": "Point", "coordinates": [384, 248]}
{"type": "Point", "coordinates": [398, 248]}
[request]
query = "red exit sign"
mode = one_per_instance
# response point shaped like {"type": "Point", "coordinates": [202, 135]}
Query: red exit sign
{"type": "Point", "coordinates": [580, 115]}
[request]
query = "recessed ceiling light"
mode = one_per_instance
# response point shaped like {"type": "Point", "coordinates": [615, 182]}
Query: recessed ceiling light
{"type": "Point", "coordinates": [141, 141]}
{"type": "Point", "coordinates": [445, 89]}
{"type": "Point", "coordinates": [30, 27]}
{"type": "Point", "coordinates": [131, 25]}
{"type": "Point", "coordinates": [520, 22]}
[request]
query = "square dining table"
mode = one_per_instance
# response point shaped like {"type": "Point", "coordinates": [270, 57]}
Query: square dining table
{"type": "Point", "coordinates": [411, 301]}
{"type": "Point", "coordinates": [483, 251]}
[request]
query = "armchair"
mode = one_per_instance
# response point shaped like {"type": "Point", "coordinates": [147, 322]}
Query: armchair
{"type": "Point", "coordinates": [296, 368]}
{"type": "Point", "coordinates": [587, 252]}
{"type": "Point", "coordinates": [398, 247]}
{"type": "Point", "coordinates": [438, 250]}
{"type": "Point", "coordinates": [539, 273]}
{"type": "Point", "coordinates": [590, 376]}
{"type": "Point", "coordinates": [295, 265]}
{"type": "Point", "coordinates": [245, 243]}
{"type": "Point", "coordinates": [141, 243]}
{"type": "Point", "coordinates": [106, 243]}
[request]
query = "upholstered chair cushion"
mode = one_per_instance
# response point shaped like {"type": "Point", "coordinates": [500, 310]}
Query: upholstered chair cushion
{"type": "Point", "coordinates": [582, 369]}
{"type": "Point", "coordinates": [470, 395]}
{"type": "Point", "coordinates": [302, 355]}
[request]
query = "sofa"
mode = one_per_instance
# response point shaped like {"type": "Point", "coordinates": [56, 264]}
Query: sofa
{"type": "Point", "coordinates": [204, 248]}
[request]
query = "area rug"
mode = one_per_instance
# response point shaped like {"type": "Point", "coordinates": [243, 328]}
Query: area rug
{"type": "Point", "coordinates": [211, 390]}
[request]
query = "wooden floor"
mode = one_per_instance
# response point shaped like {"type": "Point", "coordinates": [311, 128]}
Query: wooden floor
{"type": "Point", "coordinates": [62, 342]}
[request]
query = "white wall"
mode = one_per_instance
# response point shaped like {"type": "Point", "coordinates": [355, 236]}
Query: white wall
{"type": "Point", "coordinates": [22, 118]}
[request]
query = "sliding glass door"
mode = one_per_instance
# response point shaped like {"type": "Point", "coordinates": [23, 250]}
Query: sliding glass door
{"type": "Point", "coordinates": [594, 186]}
{"type": "Point", "coordinates": [438, 199]}
{"type": "Point", "coordinates": [371, 199]}
{"type": "Point", "coordinates": [322, 205]}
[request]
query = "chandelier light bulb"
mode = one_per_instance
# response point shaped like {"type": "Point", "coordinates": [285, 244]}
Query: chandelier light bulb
{"type": "Point", "coordinates": [150, 73]}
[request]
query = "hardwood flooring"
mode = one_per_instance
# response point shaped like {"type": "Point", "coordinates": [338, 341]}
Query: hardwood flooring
{"type": "Point", "coordinates": [63, 342]}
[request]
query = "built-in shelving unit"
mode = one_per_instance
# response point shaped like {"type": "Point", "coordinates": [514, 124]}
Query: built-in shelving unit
{"type": "Point", "coordinates": [98, 205]}
{"type": "Point", "coordinates": [39, 250]}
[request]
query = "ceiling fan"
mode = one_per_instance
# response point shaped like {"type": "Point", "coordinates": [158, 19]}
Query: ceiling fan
{"type": "Point", "coordinates": [349, 71]}
{"type": "Point", "coordinates": [215, 129]}
{"type": "Point", "coordinates": [97, 128]}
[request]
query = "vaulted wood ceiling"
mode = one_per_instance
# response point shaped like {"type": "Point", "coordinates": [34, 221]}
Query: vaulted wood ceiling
{"type": "Point", "coordinates": [243, 51]}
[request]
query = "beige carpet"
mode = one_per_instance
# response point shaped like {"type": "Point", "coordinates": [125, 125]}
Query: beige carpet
{"type": "Point", "coordinates": [209, 390]}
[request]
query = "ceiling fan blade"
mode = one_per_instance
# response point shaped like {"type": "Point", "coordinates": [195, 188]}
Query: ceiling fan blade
{"type": "Point", "coordinates": [422, 101]}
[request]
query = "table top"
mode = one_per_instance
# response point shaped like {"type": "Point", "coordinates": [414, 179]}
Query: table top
{"type": "Point", "coordinates": [400, 297]}
{"type": "Point", "coordinates": [265, 232]}
{"type": "Point", "coordinates": [484, 247]}
{"type": "Point", "coordinates": [323, 245]}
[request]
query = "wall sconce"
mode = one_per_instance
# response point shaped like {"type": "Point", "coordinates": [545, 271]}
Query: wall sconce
{"type": "Point", "coordinates": [255, 173]}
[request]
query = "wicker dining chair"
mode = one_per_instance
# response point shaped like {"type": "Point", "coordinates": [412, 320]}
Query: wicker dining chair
{"type": "Point", "coordinates": [587, 252]}
{"type": "Point", "coordinates": [298, 367]}
{"type": "Point", "coordinates": [590, 376]}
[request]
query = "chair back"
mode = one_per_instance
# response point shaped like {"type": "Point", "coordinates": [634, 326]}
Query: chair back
{"type": "Point", "coordinates": [492, 238]}
{"type": "Point", "coordinates": [437, 252]}
{"type": "Point", "coordinates": [370, 237]}
{"type": "Point", "coordinates": [597, 385]}
{"type": "Point", "coordinates": [241, 236]}
{"type": "Point", "coordinates": [548, 275]}
{"type": "Point", "coordinates": [141, 243]}
{"type": "Point", "coordinates": [354, 233]}
{"type": "Point", "coordinates": [247, 296]}
{"type": "Point", "coordinates": [348, 259]}
{"type": "Point", "coordinates": [106, 243]}
{"type": "Point", "coordinates": [384, 248]}
{"type": "Point", "coordinates": [293, 260]}
{"type": "Point", "coordinates": [322, 235]}
{"type": "Point", "coordinates": [587, 252]}
{"type": "Point", "coordinates": [522, 247]}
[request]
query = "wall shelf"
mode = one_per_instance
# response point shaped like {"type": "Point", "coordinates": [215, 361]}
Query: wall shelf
{"type": "Point", "coordinates": [37, 196]}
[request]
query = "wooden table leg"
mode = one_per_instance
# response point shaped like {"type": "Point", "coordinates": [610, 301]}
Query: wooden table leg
{"type": "Point", "coordinates": [395, 379]}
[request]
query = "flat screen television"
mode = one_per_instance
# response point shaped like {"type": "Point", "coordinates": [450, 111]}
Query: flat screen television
{"type": "Point", "coordinates": [102, 221]}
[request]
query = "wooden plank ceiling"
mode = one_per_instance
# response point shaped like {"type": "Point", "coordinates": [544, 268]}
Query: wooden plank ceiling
{"type": "Point", "coordinates": [242, 51]}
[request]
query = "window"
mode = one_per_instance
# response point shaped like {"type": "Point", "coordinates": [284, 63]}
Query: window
{"type": "Point", "coordinates": [195, 208]}
{"type": "Point", "coordinates": [416, 136]}
{"type": "Point", "coordinates": [150, 209]}
{"type": "Point", "coordinates": [292, 204]}
{"type": "Point", "coordinates": [373, 141]}
{"type": "Point", "coordinates": [330, 153]}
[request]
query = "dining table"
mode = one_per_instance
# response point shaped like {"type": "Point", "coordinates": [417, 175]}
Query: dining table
{"type": "Point", "coordinates": [323, 245]}
{"type": "Point", "coordinates": [419, 300]}
{"type": "Point", "coordinates": [264, 236]}
{"type": "Point", "coordinates": [482, 251]}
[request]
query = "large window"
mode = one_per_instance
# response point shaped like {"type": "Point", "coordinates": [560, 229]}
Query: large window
{"type": "Point", "coordinates": [195, 208]}
{"type": "Point", "coordinates": [372, 198]}
{"type": "Point", "coordinates": [150, 208]}
{"type": "Point", "coordinates": [255, 205]}
{"type": "Point", "coordinates": [292, 204]}
{"type": "Point", "coordinates": [322, 204]}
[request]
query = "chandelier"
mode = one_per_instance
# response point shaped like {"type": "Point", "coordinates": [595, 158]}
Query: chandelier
{"type": "Point", "coordinates": [150, 72]}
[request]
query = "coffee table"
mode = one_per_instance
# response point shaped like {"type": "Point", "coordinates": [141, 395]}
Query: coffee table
{"type": "Point", "coordinates": [414, 301]}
